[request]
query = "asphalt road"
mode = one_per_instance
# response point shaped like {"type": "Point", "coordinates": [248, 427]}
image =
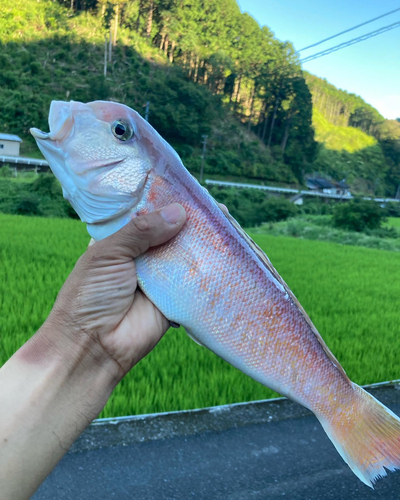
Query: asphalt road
{"type": "Point", "coordinates": [290, 458]}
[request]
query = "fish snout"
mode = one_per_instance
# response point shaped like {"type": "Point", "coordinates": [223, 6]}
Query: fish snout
{"type": "Point", "coordinates": [60, 122]}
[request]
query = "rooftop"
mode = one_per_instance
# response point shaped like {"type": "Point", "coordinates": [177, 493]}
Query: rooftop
{"type": "Point", "coordinates": [320, 183]}
{"type": "Point", "coordinates": [10, 137]}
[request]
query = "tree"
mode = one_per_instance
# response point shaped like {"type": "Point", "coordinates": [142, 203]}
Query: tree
{"type": "Point", "coordinates": [358, 215]}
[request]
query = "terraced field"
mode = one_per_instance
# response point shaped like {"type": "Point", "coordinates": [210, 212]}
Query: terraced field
{"type": "Point", "coordinates": [352, 294]}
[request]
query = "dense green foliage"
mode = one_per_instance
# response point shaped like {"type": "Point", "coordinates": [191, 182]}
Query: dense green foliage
{"type": "Point", "coordinates": [355, 307]}
{"type": "Point", "coordinates": [340, 137]}
{"type": "Point", "coordinates": [365, 170]}
{"type": "Point", "coordinates": [251, 207]}
{"type": "Point", "coordinates": [358, 215]}
{"type": "Point", "coordinates": [42, 197]}
{"type": "Point", "coordinates": [321, 228]}
{"type": "Point", "coordinates": [393, 222]}
{"type": "Point", "coordinates": [358, 143]}
{"type": "Point", "coordinates": [342, 108]}
{"type": "Point", "coordinates": [47, 53]}
{"type": "Point", "coordinates": [6, 172]}
{"type": "Point", "coordinates": [206, 69]}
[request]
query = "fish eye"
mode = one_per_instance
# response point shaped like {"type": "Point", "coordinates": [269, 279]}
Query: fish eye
{"type": "Point", "coordinates": [122, 130]}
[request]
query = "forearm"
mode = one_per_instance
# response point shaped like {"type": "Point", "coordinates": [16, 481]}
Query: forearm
{"type": "Point", "coordinates": [47, 399]}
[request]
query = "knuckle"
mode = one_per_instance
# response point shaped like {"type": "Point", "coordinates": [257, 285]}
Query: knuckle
{"type": "Point", "coordinates": [141, 224]}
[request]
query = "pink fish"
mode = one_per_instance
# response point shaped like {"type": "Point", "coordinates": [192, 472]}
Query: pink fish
{"type": "Point", "coordinates": [212, 278]}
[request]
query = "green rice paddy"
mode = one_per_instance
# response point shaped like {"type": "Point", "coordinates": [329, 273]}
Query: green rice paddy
{"type": "Point", "coordinates": [352, 294]}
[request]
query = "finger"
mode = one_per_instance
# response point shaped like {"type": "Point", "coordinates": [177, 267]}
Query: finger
{"type": "Point", "coordinates": [147, 230]}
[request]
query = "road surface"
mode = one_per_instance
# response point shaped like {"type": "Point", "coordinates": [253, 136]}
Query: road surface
{"type": "Point", "coordinates": [242, 452]}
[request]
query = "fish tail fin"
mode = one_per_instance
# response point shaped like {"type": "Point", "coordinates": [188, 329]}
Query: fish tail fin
{"type": "Point", "coordinates": [367, 436]}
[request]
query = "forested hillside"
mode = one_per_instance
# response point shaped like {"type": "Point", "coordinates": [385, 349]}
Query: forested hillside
{"type": "Point", "coordinates": [356, 142]}
{"type": "Point", "coordinates": [206, 69]}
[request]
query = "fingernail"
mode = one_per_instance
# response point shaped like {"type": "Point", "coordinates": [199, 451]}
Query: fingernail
{"type": "Point", "coordinates": [172, 213]}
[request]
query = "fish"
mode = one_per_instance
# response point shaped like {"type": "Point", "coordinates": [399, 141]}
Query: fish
{"type": "Point", "coordinates": [211, 277]}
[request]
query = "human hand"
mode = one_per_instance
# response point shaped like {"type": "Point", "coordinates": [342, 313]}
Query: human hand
{"type": "Point", "coordinates": [100, 326]}
{"type": "Point", "coordinates": [100, 301]}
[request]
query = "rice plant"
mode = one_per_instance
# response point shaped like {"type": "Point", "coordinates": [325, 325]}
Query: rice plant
{"type": "Point", "coordinates": [352, 294]}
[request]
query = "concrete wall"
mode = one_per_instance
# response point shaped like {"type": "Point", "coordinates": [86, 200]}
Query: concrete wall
{"type": "Point", "coordinates": [9, 148]}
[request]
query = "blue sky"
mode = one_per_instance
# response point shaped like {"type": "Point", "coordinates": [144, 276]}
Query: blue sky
{"type": "Point", "coordinates": [370, 68]}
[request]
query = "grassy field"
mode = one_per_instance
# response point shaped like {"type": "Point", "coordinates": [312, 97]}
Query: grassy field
{"type": "Point", "coordinates": [393, 222]}
{"type": "Point", "coordinates": [321, 228]}
{"type": "Point", "coordinates": [352, 294]}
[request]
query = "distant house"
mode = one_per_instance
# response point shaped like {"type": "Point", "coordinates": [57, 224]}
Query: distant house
{"type": "Point", "coordinates": [9, 145]}
{"type": "Point", "coordinates": [342, 188]}
{"type": "Point", "coordinates": [321, 185]}
{"type": "Point", "coordinates": [328, 187]}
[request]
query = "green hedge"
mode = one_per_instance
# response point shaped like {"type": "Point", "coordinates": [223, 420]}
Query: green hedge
{"type": "Point", "coordinates": [42, 197]}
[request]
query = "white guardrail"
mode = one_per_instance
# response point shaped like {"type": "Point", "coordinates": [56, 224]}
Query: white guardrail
{"type": "Point", "coordinates": [296, 191]}
{"type": "Point", "coordinates": [24, 161]}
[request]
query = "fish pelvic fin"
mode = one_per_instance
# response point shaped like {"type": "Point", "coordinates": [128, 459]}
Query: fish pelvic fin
{"type": "Point", "coordinates": [367, 436]}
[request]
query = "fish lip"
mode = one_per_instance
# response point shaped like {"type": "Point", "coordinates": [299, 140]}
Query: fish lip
{"type": "Point", "coordinates": [39, 134]}
{"type": "Point", "coordinates": [60, 134]}
{"type": "Point", "coordinates": [61, 122]}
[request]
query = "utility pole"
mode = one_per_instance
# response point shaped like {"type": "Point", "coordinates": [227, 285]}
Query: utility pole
{"type": "Point", "coordinates": [146, 113]}
{"type": "Point", "coordinates": [203, 157]}
{"type": "Point", "coordinates": [105, 56]}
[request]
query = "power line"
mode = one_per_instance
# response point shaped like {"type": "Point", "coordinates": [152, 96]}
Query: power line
{"type": "Point", "coordinates": [350, 29]}
{"type": "Point", "coordinates": [350, 42]}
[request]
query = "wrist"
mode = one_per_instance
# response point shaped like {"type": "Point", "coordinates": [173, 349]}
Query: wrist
{"type": "Point", "coordinates": [71, 366]}
{"type": "Point", "coordinates": [58, 392]}
{"type": "Point", "coordinates": [62, 344]}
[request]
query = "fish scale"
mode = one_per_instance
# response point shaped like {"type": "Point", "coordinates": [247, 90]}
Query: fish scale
{"type": "Point", "coordinates": [212, 278]}
{"type": "Point", "coordinates": [253, 319]}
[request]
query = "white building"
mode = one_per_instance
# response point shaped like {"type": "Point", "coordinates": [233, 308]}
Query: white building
{"type": "Point", "coordinates": [9, 145]}
{"type": "Point", "coordinates": [329, 187]}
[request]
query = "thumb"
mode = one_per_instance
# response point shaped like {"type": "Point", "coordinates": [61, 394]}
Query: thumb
{"type": "Point", "coordinates": [146, 231]}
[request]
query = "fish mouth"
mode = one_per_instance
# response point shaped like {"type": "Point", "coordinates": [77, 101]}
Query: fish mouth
{"type": "Point", "coordinates": [39, 134]}
{"type": "Point", "coordinates": [61, 122]}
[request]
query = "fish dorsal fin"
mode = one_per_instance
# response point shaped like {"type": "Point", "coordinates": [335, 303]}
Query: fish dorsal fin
{"type": "Point", "coordinates": [267, 263]}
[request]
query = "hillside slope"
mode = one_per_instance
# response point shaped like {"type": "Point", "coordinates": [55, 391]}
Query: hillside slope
{"type": "Point", "coordinates": [46, 53]}
{"type": "Point", "coordinates": [338, 137]}
{"type": "Point", "coordinates": [206, 69]}
{"type": "Point", "coordinates": [356, 142]}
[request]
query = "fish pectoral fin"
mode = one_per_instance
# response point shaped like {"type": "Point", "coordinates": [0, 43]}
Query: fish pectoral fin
{"type": "Point", "coordinates": [194, 339]}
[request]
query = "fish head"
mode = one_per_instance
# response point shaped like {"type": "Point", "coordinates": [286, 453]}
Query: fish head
{"type": "Point", "coordinates": [102, 153]}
